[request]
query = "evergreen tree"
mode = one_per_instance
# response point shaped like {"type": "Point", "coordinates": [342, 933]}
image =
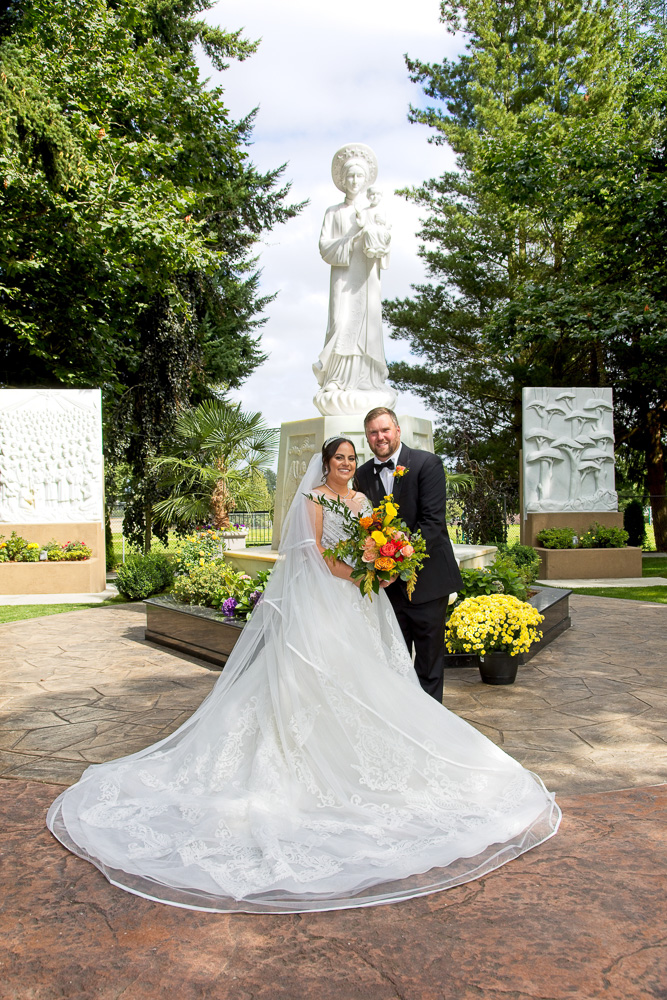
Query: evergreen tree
{"type": "Point", "coordinates": [539, 261]}
{"type": "Point", "coordinates": [130, 213]}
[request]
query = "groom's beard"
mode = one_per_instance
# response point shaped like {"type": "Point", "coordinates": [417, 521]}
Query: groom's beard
{"type": "Point", "coordinates": [387, 448]}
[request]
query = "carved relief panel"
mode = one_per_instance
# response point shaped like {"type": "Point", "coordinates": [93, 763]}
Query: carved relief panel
{"type": "Point", "coordinates": [51, 467]}
{"type": "Point", "coordinates": [568, 450]}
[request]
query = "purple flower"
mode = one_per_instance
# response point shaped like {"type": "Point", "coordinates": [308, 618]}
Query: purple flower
{"type": "Point", "coordinates": [229, 606]}
{"type": "Point", "coordinates": [255, 596]}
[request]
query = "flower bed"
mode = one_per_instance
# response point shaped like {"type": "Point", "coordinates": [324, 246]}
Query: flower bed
{"type": "Point", "coordinates": [19, 549]}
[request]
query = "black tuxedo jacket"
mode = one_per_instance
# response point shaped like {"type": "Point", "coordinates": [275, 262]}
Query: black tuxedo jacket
{"type": "Point", "coordinates": [421, 496]}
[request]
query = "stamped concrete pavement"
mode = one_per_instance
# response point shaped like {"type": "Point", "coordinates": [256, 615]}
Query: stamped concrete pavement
{"type": "Point", "coordinates": [583, 916]}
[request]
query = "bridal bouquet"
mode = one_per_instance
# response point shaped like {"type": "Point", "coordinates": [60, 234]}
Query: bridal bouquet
{"type": "Point", "coordinates": [379, 546]}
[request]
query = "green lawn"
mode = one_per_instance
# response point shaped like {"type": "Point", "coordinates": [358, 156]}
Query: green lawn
{"type": "Point", "coordinates": [652, 566]}
{"type": "Point", "coordinates": [17, 613]}
{"type": "Point", "coordinates": [656, 595]}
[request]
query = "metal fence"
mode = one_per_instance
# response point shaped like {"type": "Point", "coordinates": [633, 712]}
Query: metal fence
{"type": "Point", "coordinates": [259, 522]}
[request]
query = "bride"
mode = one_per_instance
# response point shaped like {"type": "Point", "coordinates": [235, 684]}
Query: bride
{"type": "Point", "coordinates": [316, 775]}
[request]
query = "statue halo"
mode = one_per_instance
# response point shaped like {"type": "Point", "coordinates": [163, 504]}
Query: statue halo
{"type": "Point", "coordinates": [353, 151]}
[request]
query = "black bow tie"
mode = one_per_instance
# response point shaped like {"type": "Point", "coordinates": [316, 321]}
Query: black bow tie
{"type": "Point", "coordinates": [383, 465]}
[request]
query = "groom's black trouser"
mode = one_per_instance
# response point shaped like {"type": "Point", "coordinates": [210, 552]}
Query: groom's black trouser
{"type": "Point", "coordinates": [423, 627]}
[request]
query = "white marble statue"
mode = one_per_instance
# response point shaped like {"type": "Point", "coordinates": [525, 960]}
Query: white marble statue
{"type": "Point", "coordinates": [568, 450]}
{"type": "Point", "coordinates": [355, 242]}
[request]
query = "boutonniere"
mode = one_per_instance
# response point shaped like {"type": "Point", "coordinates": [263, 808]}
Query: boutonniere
{"type": "Point", "coordinates": [400, 471]}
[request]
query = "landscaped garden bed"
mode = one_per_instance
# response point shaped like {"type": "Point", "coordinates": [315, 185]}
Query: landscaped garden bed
{"type": "Point", "coordinates": [29, 566]}
{"type": "Point", "coordinates": [600, 552]}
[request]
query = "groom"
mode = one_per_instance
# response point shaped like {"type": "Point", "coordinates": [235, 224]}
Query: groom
{"type": "Point", "coordinates": [421, 494]}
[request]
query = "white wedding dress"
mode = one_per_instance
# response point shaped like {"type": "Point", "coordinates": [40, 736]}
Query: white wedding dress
{"type": "Point", "coordinates": [316, 775]}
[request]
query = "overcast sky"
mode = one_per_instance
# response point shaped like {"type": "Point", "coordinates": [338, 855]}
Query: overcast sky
{"type": "Point", "coordinates": [325, 75]}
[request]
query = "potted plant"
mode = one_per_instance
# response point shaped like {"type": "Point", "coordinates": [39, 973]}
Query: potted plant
{"type": "Point", "coordinates": [496, 627]}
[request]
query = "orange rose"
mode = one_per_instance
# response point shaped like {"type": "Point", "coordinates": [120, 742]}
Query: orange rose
{"type": "Point", "coordinates": [365, 522]}
{"type": "Point", "coordinates": [383, 563]}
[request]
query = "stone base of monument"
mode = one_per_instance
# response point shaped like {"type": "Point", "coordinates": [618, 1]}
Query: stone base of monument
{"type": "Point", "coordinates": [589, 564]}
{"type": "Point", "coordinates": [85, 577]}
{"type": "Point", "coordinates": [301, 439]}
{"type": "Point", "coordinates": [578, 520]}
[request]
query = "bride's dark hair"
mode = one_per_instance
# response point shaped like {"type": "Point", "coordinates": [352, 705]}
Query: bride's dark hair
{"type": "Point", "coordinates": [329, 449]}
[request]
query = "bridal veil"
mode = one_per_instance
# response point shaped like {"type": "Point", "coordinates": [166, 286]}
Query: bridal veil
{"type": "Point", "coordinates": [316, 775]}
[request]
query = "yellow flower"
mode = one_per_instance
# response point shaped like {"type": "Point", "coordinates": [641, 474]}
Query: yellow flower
{"type": "Point", "coordinates": [390, 513]}
{"type": "Point", "coordinates": [378, 538]}
{"type": "Point", "coordinates": [201, 562]}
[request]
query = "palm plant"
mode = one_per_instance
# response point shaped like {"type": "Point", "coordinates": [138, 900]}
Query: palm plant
{"type": "Point", "coordinates": [215, 466]}
{"type": "Point", "coordinates": [458, 482]}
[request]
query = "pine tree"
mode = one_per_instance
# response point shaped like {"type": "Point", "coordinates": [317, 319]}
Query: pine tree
{"type": "Point", "coordinates": [530, 285]}
{"type": "Point", "coordinates": [131, 213]}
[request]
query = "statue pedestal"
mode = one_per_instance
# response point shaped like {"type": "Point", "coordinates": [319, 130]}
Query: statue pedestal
{"type": "Point", "coordinates": [301, 439]}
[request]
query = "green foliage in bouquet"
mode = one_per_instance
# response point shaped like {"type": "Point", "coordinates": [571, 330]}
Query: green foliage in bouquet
{"type": "Point", "coordinates": [380, 545]}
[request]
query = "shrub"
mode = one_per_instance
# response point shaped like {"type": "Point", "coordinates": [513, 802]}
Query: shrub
{"type": "Point", "coordinates": [142, 576]}
{"type": "Point", "coordinates": [600, 536]}
{"type": "Point", "coordinates": [197, 549]}
{"type": "Point", "coordinates": [634, 523]}
{"type": "Point", "coordinates": [70, 551]}
{"type": "Point", "coordinates": [525, 559]}
{"type": "Point", "coordinates": [557, 538]}
{"type": "Point", "coordinates": [501, 577]}
{"type": "Point", "coordinates": [217, 585]}
{"type": "Point", "coordinates": [208, 585]}
{"type": "Point", "coordinates": [506, 572]}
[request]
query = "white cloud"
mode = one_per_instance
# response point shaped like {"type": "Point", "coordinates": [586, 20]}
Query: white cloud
{"type": "Point", "coordinates": [325, 75]}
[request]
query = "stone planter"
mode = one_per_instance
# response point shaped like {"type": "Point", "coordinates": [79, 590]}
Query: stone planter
{"type": "Point", "coordinates": [551, 602]}
{"type": "Point", "coordinates": [190, 629]}
{"type": "Point", "coordinates": [235, 541]}
{"type": "Point", "coordinates": [589, 564]}
{"type": "Point", "coordinates": [86, 576]}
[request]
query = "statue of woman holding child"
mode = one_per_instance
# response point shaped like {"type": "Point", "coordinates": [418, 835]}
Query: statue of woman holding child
{"type": "Point", "coordinates": [355, 241]}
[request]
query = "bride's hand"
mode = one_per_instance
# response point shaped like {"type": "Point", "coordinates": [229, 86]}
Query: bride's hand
{"type": "Point", "coordinates": [387, 583]}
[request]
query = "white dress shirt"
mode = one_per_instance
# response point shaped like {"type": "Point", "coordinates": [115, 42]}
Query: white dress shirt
{"type": "Point", "coordinates": [387, 475]}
